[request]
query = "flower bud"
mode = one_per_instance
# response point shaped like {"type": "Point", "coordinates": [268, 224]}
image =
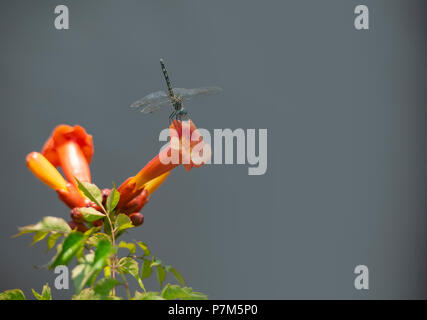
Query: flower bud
{"type": "Point", "coordinates": [77, 226]}
{"type": "Point", "coordinates": [105, 193]}
{"type": "Point", "coordinates": [136, 218]}
{"type": "Point", "coordinates": [98, 223]}
{"type": "Point", "coordinates": [76, 215]}
{"type": "Point", "coordinates": [136, 204]}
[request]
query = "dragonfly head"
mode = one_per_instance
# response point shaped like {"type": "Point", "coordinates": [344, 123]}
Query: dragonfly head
{"type": "Point", "coordinates": [183, 112]}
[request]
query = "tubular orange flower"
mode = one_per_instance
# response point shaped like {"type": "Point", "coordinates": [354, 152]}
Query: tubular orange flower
{"type": "Point", "coordinates": [136, 204]}
{"type": "Point", "coordinates": [188, 142]}
{"type": "Point", "coordinates": [127, 193]}
{"type": "Point", "coordinates": [71, 148]}
{"type": "Point", "coordinates": [45, 171]}
{"type": "Point", "coordinates": [154, 184]}
{"type": "Point", "coordinates": [141, 196]}
{"type": "Point", "coordinates": [153, 169]}
{"type": "Point", "coordinates": [183, 139]}
{"type": "Point", "coordinates": [73, 198]}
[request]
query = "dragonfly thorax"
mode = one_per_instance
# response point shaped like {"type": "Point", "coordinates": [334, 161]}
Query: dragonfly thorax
{"type": "Point", "coordinates": [176, 102]}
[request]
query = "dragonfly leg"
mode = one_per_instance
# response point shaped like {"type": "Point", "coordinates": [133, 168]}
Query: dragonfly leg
{"type": "Point", "coordinates": [171, 116]}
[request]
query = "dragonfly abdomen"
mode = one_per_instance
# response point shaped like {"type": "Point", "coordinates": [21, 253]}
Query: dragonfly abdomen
{"type": "Point", "coordinates": [165, 74]}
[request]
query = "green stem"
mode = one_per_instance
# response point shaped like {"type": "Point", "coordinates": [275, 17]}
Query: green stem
{"type": "Point", "coordinates": [113, 239]}
{"type": "Point", "coordinates": [125, 283]}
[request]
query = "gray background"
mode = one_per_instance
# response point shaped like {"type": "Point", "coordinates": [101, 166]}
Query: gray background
{"type": "Point", "coordinates": [346, 179]}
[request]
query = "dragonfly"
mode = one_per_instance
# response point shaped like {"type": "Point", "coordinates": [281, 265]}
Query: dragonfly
{"type": "Point", "coordinates": [174, 97]}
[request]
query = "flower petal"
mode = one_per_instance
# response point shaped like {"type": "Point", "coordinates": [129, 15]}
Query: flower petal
{"type": "Point", "coordinates": [45, 171]}
{"type": "Point", "coordinates": [184, 139]}
{"type": "Point", "coordinates": [73, 198]}
{"type": "Point", "coordinates": [72, 149]}
{"type": "Point", "coordinates": [154, 184]}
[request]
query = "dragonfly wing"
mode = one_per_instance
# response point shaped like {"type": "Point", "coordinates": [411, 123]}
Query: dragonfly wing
{"type": "Point", "coordinates": [152, 102]}
{"type": "Point", "coordinates": [188, 94]}
{"type": "Point", "coordinates": [151, 108]}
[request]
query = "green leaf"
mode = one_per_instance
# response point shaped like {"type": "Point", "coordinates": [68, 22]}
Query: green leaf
{"type": "Point", "coordinates": [123, 222]}
{"type": "Point", "coordinates": [14, 294]}
{"type": "Point", "coordinates": [144, 248]}
{"type": "Point", "coordinates": [102, 253]}
{"type": "Point", "coordinates": [80, 254]}
{"type": "Point", "coordinates": [81, 275]}
{"type": "Point", "coordinates": [128, 265]}
{"type": "Point", "coordinates": [177, 275]}
{"type": "Point", "coordinates": [46, 293]}
{"type": "Point", "coordinates": [86, 294]}
{"type": "Point", "coordinates": [104, 286]}
{"type": "Point", "coordinates": [37, 295]}
{"type": "Point", "coordinates": [91, 191]}
{"type": "Point", "coordinates": [90, 214]}
{"type": "Point", "coordinates": [173, 292]}
{"type": "Point", "coordinates": [87, 271]}
{"type": "Point", "coordinates": [90, 294]}
{"type": "Point", "coordinates": [112, 200]}
{"type": "Point", "coordinates": [161, 274]}
{"type": "Point", "coordinates": [107, 227]}
{"type": "Point", "coordinates": [107, 272]}
{"type": "Point", "coordinates": [130, 246]}
{"type": "Point", "coordinates": [48, 224]}
{"type": "Point", "coordinates": [38, 236]}
{"type": "Point", "coordinates": [96, 238]}
{"type": "Point", "coordinates": [70, 246]}
{"type": "Point", "coordinates": [141, 284]}
{"type": "Point", "coordinates": [147, 296]}
{"type": "Point", "coordinates": [146, 269]}
{"type": "Point", "coordinates": [91, 231]}
{"type": "Point", "coordinates": [156, 262]}
{"type": "Point", "coordinates": [51, 240]}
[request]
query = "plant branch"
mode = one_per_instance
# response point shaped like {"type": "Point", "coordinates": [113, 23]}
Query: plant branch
{"type": "Point", "coordinates": [113, 239]}
{"type": "Point", "coordinates": [125, 284]}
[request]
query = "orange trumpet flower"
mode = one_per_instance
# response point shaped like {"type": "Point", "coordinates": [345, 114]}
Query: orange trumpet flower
{"type": "Point", "coordinates": [70, 148]}
{"type": "Point", "coordinates": [45, 171]}
{"type": "Point", "coordinates": [140, 196]}
{"type": "Point", "coordinates": [48, 174]}
{"type": "Point", "coordinates": [184, 138]}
